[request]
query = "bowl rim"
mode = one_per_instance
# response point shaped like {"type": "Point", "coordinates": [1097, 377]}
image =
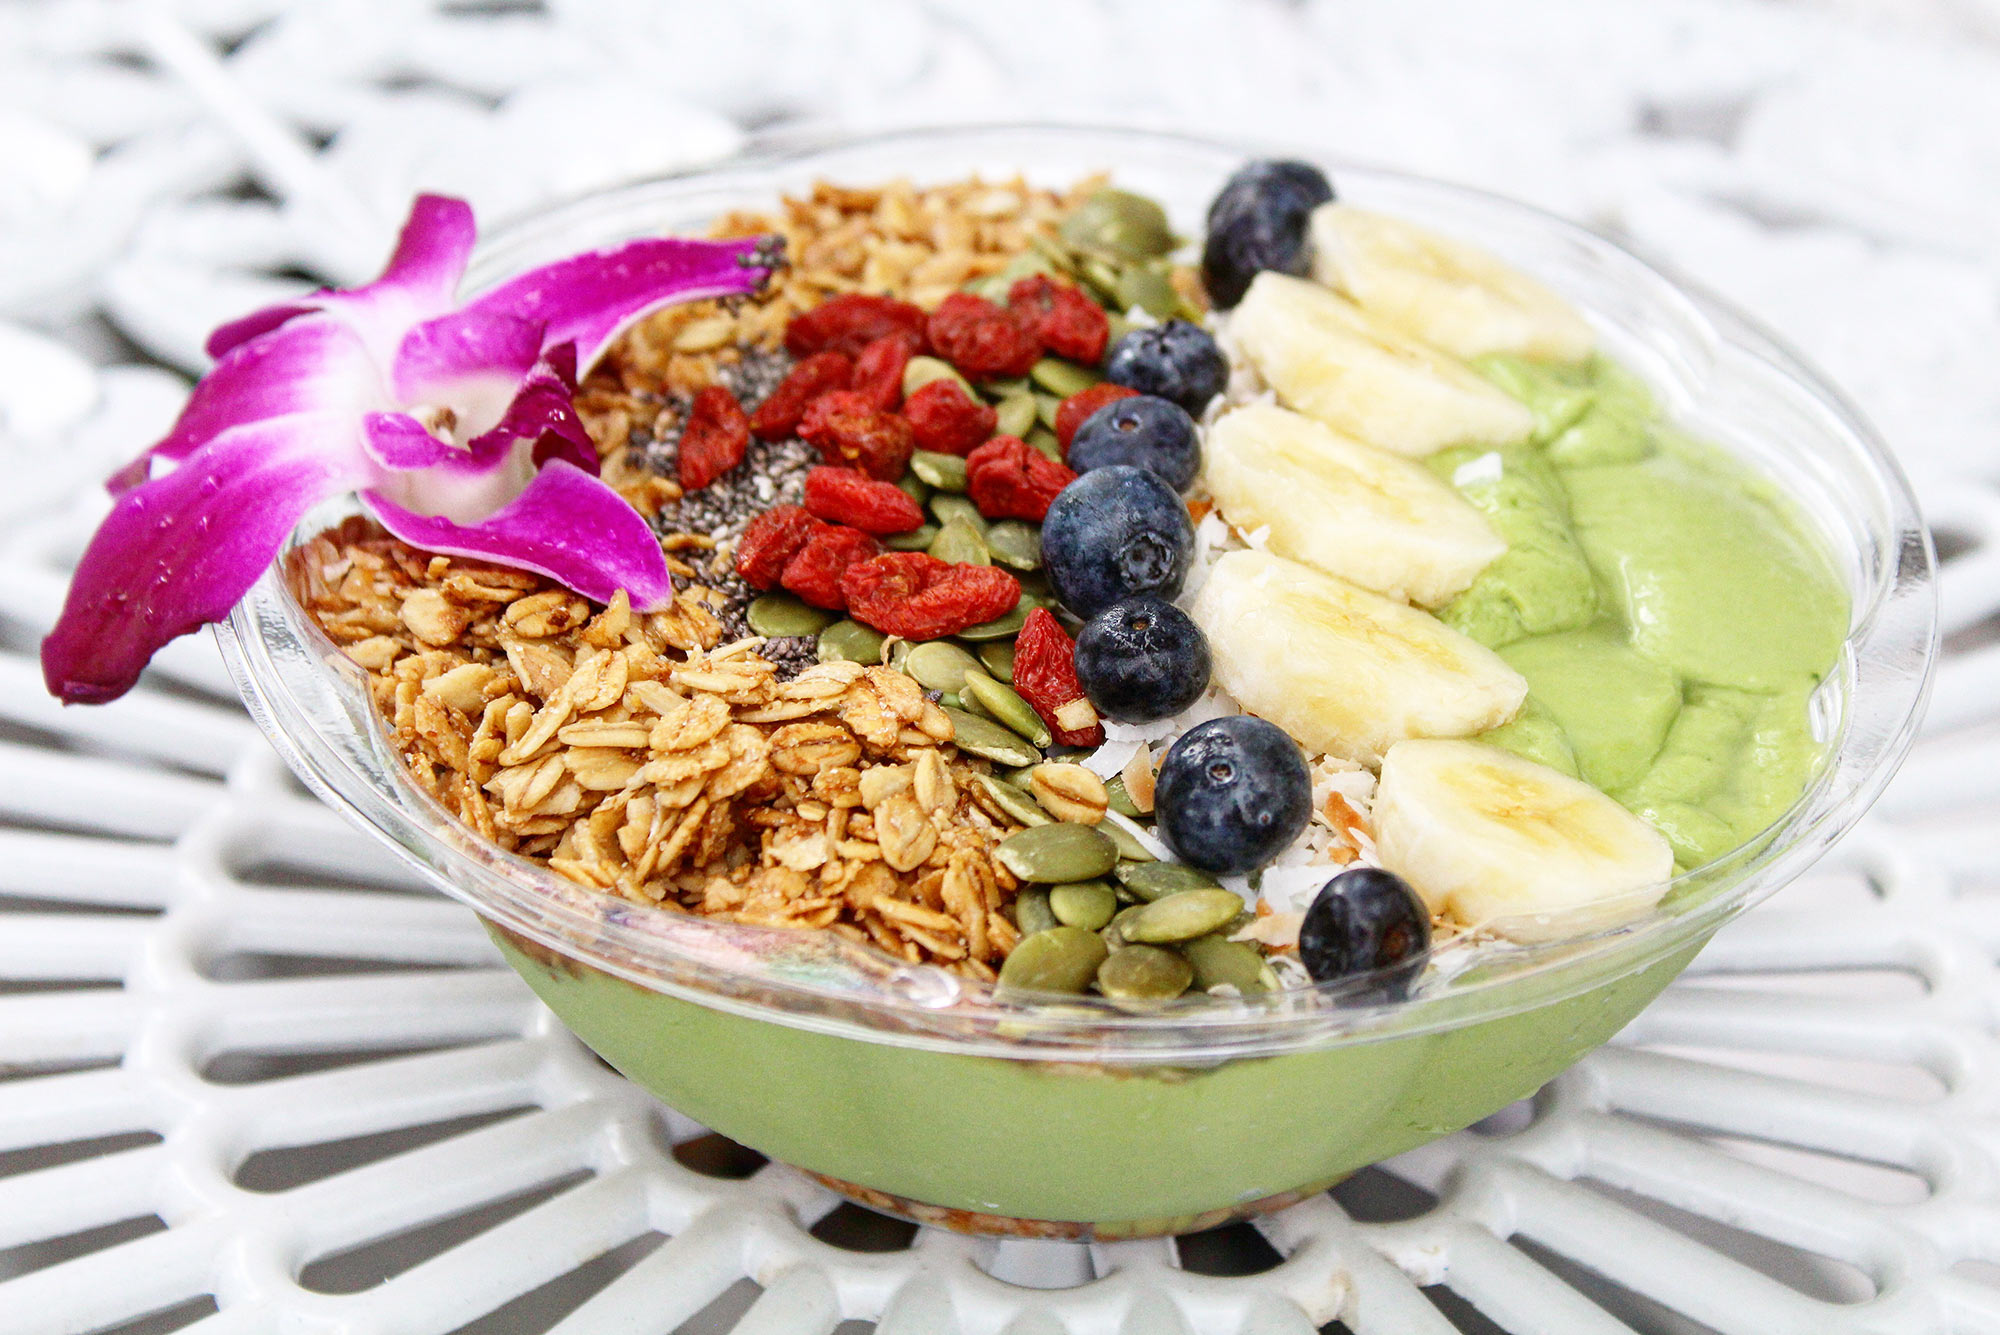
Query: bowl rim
{"type": "Point", "coordinates": [836, 986]}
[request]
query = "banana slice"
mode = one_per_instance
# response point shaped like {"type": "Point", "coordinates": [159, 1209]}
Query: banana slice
{"type": "Point", "coordinates": [1492, 840]}
{"type": "Point", "coordinates": [1452, 295]}
{"type": "Point", "coordinates": [1346, 672]}
{"type": "Point", "coordinates": [1331, 360]}
{"type": "Point", "coordinates": [1346, 508]}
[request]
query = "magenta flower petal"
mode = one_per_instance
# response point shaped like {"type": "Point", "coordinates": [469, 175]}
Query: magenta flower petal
{"type": "Point", "coordinates": [439, 358]}
{"type": "Point", "coordinates": [400, 441]}
{"type": "Point", "coordinates": [178, 551]}
{"type": "Point", "coordinates": [567, 525]}
{"type": "Point", "coordinates": [544, 411]}
{"type": "Point", "coordinates": [588, 299]}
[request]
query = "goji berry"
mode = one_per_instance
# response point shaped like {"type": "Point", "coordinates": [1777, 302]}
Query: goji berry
{"type": "Point", "coordinates": [843, 496]}
{"type": "Point", "coordinates": [778, 415]}
{"type": "Point", "coordinates": [1010, 479]}
{"type": "Point", "coordinates": [982, 340]}
{"type": "Point", "coordinates": [713, 438]}
{"type": "Point", "coordinates": [878, 371]}
{"type": "Point", "coordinates": [947, 420]}
{"type": "Point", "coordinates": [814, 572]}
{"type": "Point", "coordinates": [850, 323]}
{"type": "Point", "coordinates": [917, 596]}
{"type": "Point", "coordinates": [770, 540]}
{"type": "Point", "coordinates": [1077, 408]}
{"type": "Point", "coordinates": [1045, 676]}
{"type": "Point", "coordinates": [1067, 321]}
{"type": "Point", "coordinates": [848, 430]}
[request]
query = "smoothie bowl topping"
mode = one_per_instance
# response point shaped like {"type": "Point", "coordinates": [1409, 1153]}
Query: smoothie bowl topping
{"type": "Point", "coordinates": [994, 577]}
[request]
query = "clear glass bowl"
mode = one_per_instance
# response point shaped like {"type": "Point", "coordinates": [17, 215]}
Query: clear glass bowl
{"type": "Point", "coordinates": [916, 1091]}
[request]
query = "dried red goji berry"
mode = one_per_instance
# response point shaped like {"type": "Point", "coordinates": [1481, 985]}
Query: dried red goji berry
{"type": "Point", "coordinates": [1045, 676]}
{"type": "Point", "coordinates": [917, 596]}
{"type": "Point", "coordinates": [878, 371]}
{"type": "Point", "coordinates": [815, 571]}
{"type": "Point", "coordinates": [843, 496]}
{"type": "Point", "coordinates": [947, 420]}
{"type": "Point", "coordinates": [770, 540]}
{"type": "Point", "coordinates": [845, 428]}
{"type": "Point", "coordinates": [1010, 479]}
{"type": "Point", "coordinates": [1077, 408]}
{"type": "Point", "coordinates": [778, 415]}
{"type": "Point", "coordinates": [713, 439]}
{"type": "Point", "coordinates": [850, 323]}
{"type": "Point", "coordinates": [1066, 320]}
{"type": "Point", "coordinates": [982, 340]}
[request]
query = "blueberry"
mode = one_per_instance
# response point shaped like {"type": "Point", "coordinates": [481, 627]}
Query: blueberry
{"type": "Point", "coordinates": [1259, 221]}
{"type": "Point", "coordinates": [1146, 431]}
{"type": "Point", "coordinates": [1113, 533]}
{"type": "Point", "coordinates": [1142, 659]}
{"type": "Point", "coordinates": [1175, 360]}
{"type": "Point", "coordinates": [1366, 921]}
{"type": "Point", "coordinates": [1233, 793]}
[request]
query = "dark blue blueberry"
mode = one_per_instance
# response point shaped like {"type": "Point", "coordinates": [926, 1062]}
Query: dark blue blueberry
{"type": "Point", "coordinates": [1233, 793]}
{"type": "Point", "coordinates": [1366, 921]}
{"type": "Point", "coordinates": [1147, 431]}
{"type": "Point", "coordinates": [1142, 659]}
{"type": "Point", "coordinates": [1113, 533]}
{"type": "Point", "coordinates": [1258, 222]}
{"type": "Point", "coordinates": [1175, 360]}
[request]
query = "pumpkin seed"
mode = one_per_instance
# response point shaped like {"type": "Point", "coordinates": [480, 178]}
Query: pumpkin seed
{"type": "Point", "coordinates": [959, 543]}
{"type": "Point", "coordinates": [948, 506]}
{"type": "Point", "coordinates": [780, 614]}
{"type": "Point", "coordinates": [1184, 916]}
{"type": "Point", "coordinates": [1032, 911]}
{"type": "Point", "coordinates": [949, 699]}
{"type": "Point", "coordinates": [852, 641]}
{"type": "Point", "coordinates": [1062, 378]}
{"type": "Point", "coordinates": [1119, 224]}
{"type": "Point", "coordinates": [1217, 960]}
{"type": "Point", "coordinates": [1120, 800]}
{"type": "Point", "coordinates": [1129, 848]}
{"type": "Point", "coordinates": [1006, 706]}
{"type": "Point", "coordinates": [1006, 627]}
{"type": "Point", "coordinates": [1015, 801]}
{"type": "Point", "coordinates": [1016, 414]}
{"type": "Point", "coordinates": [1101, 277]}
{"type": "Point", "coordinates": [914, 487]}
{"type": "Point", "coordinates": [940, 665]}
{"type": "Point", "coordinates": [921, 371]}
{"type": "Point", "coordinates": [1114, 934]}
{"type": "Point", "coordinates": [1014, 543]}
{"type": "Point", "coordinates": [1120, 326]}
{"type": "Point", "coordinates": [1055, 959]}
{"type": "Point", "coordinates": [899, 654]}
{"type": "Point", "coordinates": [984, 737]}
{"type": "Point", "coordinates": [997, 657]}
{"type": "Point", "coordinates": [1144, 973]}
{"type": "Point", "coordinates": [918, 539]}
{"type": "Point", "coordinates": [1053, 251]}
{"type": "Point", "coordinates": [1005, 388]}
{"type": "Point", "coordinates": [1148, 289]}
{"type": "Point", "coordinates": [1156, 880]}
{"type": "Point", "coordinates": [946, 472]}
{"type": "Point", "coordinates": [1085, 904]}
{"type": "Point", "coordinates": [1055, 854]}
{"type": "Point", "coordinates": [1046, 408]}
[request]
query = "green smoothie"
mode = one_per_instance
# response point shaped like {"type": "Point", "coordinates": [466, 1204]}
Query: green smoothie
{"type": "Point", "coordinates": [1669, 612]}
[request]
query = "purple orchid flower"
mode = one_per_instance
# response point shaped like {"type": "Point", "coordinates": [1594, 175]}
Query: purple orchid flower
{"type": "Point", "coordinates": [456, 424]}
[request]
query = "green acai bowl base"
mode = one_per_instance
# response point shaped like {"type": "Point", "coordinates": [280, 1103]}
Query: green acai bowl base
{"type": "Point", "coordinates": [1072, 1148]}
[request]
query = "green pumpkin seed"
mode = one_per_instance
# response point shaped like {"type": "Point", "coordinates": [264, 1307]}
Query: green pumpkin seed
{"type": "Point", "coordinates": [1085, 904]}
{"type": "Point", "coordinates": [1218, 960]}
{"type": "Point", "coordinates": [1005, 388]}
{"type": "Point", "coordinates": [1016, 414]}
{"type": "Point", "coordinates": [1120, 800]}
{"type": "Point", "coordinates": [1045, 441]}
{"type": "Point", "coordinates": [1101, 277]}
{"type": "Point", "coordinates": [1144, 973]}
{"type": "Point", "coordinates": [852, 641]}
{"type": "Point", "coordinates": [1184, 916]}
{"type": "Point", "coordinates": [1120, 326]}
{"type": "Point", "coordinates": [959, 543]}
{"type": "Point", "coordinates": [1006, 706]}
{"type": "Point", "coordinates": [1015, 801]}
{"type": "Point", "coordinates": [940, 665]}
{"type": "Point", "coordinates": [949, 699]}
{"type": "Point", "coordinates": [1046, 408]}
{"type": "Point", "coordinates": [1148, 289]}
{"type": "Point", "coordinates": [1056, 959]}
{"type": "Point", "coordinates": [1119, 224]}
{"type": "Point", "coordinates": [983, 737]}
{"type": "Point", "coordinates": [1059, 853]}
{"type": "Point", "coordinates": [1156, 880]}
{"type": "Point", "coordinates": [946, 472]}
{"type": "Point", "coordinates": [1129, 848]}
{"type": "Point", "coordinates": [997, 657]}
{"type": "Point", "coordinates": [899, 654]}
{"type": "Point", "coordinates": [1052, 250]}
{"type": "Point", "coordinates": [1114, 935]}
{"type": "Point", "coordinates": [914, 487]}
{"type": "Point", "coordinates": [921, 371]}
{"type": "Point", "coordinates": [948, 506]}
{"type": "Point", "coordinates": [1015, 543]}
{"type": "Point", "coordinates": [1062, 378]}
{"type": "Point", "coordinates": [780, 614]}
{"type": "Point", "coordinates": [918, 539]}
{"type": "Point", "coordinates": [1032, 911]}
{"type": "Point", "coordinates": [1006, 627]}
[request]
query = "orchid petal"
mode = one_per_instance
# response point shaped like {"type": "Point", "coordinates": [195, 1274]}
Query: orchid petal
{"type": "Point", "coordinates": [440, 355]}
{"type": "Point", "coordinates": [567, 525]}
{"type": "Point", "coordinates": [544, 411]}
{"type": "Point", "coordinates": [400, 441]}
{"type": "Point", "coordinates": [588, 299]}
{"type": "Point", "coordinates": [178, 551]}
